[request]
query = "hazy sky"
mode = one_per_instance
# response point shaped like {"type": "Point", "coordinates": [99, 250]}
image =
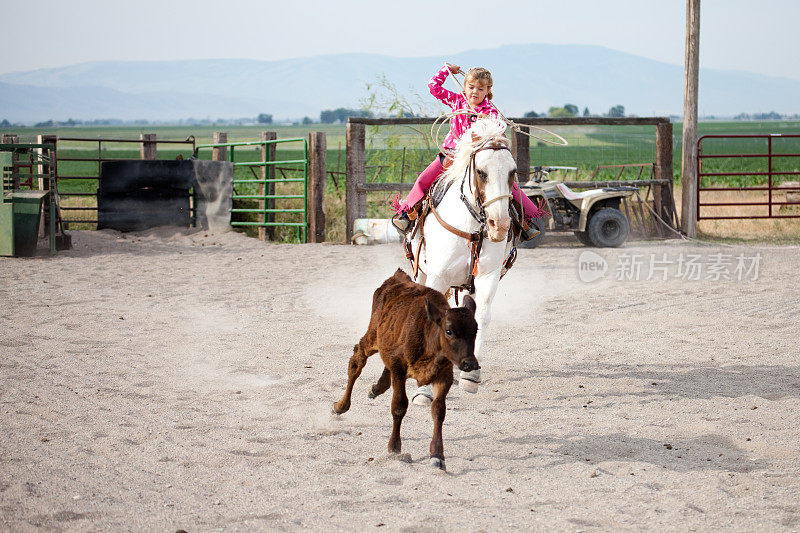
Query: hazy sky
{"type": "Point", "coordinates": [755, 36]}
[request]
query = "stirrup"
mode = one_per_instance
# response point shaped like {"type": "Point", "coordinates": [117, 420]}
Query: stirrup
{"type": "Point", "coordinates": [402, 223]}
{"type": "Point", "coordinates": [531, 233]}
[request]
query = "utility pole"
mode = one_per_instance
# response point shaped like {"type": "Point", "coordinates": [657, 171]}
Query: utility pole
{"type": "Point", "coordinates": [690, 77]}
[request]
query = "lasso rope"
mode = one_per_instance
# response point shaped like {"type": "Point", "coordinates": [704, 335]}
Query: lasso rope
{"type": "Point", "coordinates": [513, 125]}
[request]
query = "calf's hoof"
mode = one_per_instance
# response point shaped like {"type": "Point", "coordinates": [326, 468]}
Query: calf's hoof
{"type": "Point", "coordinates": [338, 410]}
{"type": "Point", "coordinates": [438, 463]}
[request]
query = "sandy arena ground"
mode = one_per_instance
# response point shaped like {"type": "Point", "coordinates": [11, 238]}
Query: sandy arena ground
{"type": "Point", "coordinates": [177, 379]}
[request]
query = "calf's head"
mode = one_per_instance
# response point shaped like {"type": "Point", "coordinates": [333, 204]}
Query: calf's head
{"type": "Point", "coordinates": [457, 328]}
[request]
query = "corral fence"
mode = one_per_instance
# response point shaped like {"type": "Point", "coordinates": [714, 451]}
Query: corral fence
{"type": "Point", "coordinates": [292, 171]}
{"type": "Point", "coordinates": [78, 161]}
{"type": "Point", "coordinates": [81, 207]}
{"type": "Point", "coordinates": [749, 172]}
{"type": "Point", "coordinates": [653, 171]}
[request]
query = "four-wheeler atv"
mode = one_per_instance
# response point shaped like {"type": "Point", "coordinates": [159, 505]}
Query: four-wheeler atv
{"type": "Point", "coordinates": [594, 216]}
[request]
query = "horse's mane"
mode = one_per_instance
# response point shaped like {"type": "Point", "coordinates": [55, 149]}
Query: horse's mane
{"type": "Point", "coordinates": [482, 131]}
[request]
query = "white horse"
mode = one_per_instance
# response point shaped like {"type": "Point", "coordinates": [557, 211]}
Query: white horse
{"type": "Point", "coordinates": [477, 200]}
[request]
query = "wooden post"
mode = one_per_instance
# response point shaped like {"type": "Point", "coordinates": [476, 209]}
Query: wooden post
{"type": "Point", "coordinates": [690, 89]}
{"type": "Point", "coordinates": [268, 153]}
{"type": "Point", "coordinates": [520, 147]}
{"type": "Point", "coordinates": [356, 163]}
{"type": "Point", "coordinates": [663, 202]}
{"type": "Point", "coordinates": [148, 146]}
{"type": "Point", "coordinates": [317, 176]}
{"type": "Point", "coordinates": [221, 153]}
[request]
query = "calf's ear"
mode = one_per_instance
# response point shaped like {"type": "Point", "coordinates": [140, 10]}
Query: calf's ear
{"type": "Point", "coordinates": [434, 314]}
{"type": "Point", "coordinates": [470, 304]}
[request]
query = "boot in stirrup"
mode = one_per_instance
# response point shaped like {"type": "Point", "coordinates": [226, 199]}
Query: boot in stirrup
{"type": "Point", "coordinates": [402, 223]}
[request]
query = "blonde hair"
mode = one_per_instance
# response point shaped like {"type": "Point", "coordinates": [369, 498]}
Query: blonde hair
{"type": "Point", "coordinates": [480, 75]}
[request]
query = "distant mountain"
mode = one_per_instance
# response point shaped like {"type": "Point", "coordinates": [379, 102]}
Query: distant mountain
{"type": "Point", "coordinates": [527, 77]}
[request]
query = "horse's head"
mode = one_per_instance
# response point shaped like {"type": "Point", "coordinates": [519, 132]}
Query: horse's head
{"type": "Point", "coordinates": [492, 170]}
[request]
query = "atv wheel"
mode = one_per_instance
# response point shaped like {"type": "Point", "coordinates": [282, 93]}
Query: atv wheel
{"type": "Point", "coordinates": [583, 236]}
{"type": "Point", "coordinates": [608, 228]}
{"type": "Point", "coordinates": [536, 241]}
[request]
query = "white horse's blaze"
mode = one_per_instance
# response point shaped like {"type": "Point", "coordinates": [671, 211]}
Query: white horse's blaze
{"type": "Point", "coordinates": [445, 257]}
{"type": "Point", "coordinates": [495, 164]}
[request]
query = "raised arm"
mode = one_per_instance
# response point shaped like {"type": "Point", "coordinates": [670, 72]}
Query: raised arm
{"type": "Point", "coordinates": [437, 90]}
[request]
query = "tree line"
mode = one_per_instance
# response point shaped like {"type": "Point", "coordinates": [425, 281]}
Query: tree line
{"type": "Point", "coordinates": [571, 110]}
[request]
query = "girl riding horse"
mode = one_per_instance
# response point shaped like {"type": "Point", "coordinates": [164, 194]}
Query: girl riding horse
{"type": "Point", "coordinates": [476, 98]}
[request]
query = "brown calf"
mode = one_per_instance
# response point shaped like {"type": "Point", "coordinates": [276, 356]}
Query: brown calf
{"type": "Point", "coordinates": [418, 336]}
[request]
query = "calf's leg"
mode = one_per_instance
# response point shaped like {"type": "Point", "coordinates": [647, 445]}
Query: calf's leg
{"type": "Point", "coordinates": [382, 385]}
{"type": "Point", "coordinates": [361, 353]}
{"type": "Point", "coordinates": [399, 405]}
{"type": "Point", "coordinates": [438, 409]}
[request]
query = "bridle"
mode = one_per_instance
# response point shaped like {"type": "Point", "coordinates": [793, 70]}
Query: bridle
{"type": "Point", "coordinates": [471, 170]}
{"type": "Point", "coordinates": [494, 143]}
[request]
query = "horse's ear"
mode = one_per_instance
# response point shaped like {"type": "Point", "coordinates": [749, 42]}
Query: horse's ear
{"type": "Point", "coordinates": [469, 303]}
{"type": "Point", "coordinates": [434, 314]}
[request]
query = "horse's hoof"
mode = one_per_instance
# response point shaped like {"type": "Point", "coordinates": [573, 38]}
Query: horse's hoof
{"type": "Point", "coordinates": [469, 381]}
{"type": "Point", "coordinates": [438, 463]}
{"type": "Point", "coordinates": [423, 396]}
{"type": "Point", "coordinates": [421, 399]}
{"type": "Point", "coordinates": [468, 386]}
{"type": "Point", "coordinates": [372, 395]}
{"type": "Point", "coordinates": [336, 411]}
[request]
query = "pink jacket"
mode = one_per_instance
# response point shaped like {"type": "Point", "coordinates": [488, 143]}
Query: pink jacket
{"type": "Point", "coordinates": [459, 123]}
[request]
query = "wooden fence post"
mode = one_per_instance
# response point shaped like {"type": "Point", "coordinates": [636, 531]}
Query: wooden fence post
{"type": "Point", "coordinates": [355, 196]}
{"type": "Point", "coordinates": [268, 153]}
{"type": "Point", "coordinates": [317, 175]}
{"type": "Point", "coordinates": [221, 153]}
{"type": "Point", "coordinates": [148, 147]}
{"type": "Point", "coordinates": [663, 199]}
{"type": "Point", "coordinates": [690, 82]}
{"type": "Point", "coordinates": [520, 147]}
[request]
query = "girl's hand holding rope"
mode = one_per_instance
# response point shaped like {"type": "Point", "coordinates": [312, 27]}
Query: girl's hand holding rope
{"type": "Point", "coordinates": [454, 69]}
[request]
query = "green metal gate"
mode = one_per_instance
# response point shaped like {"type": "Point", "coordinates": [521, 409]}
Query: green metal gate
{"type": "Point", "coordinates": [268, 186]}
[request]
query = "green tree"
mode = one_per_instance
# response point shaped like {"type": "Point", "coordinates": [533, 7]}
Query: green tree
{"type": "Point", "coordinates": [307, 120]}
{"type": "Point", "coordinates": [571, 109]}
{"type": "Point", "coordinates": [531, 114]}
{"type": "Point", "coordinates": [586, 112]}
{"type": "Point", "coordinates": [264, 118]}
{"type": "Point", "coordinates": [341, 114]}
{"type": "Point", "coordinates": [618, 111]}
{"type": "Point", "coordinates": [558, 112]}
